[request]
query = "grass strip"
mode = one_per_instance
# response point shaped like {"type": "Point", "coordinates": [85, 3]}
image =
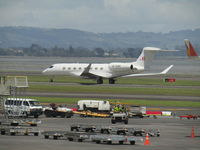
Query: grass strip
{"type": "Point", "coordinates": [138, 80]}
{"type": "Point", "coordinates": [166, 103]}
{"type": "Point", "coordinates": [114, 90]}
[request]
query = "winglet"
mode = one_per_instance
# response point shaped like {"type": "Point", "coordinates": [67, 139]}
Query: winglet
{"type": "Point", "coordinates": [166, 70]}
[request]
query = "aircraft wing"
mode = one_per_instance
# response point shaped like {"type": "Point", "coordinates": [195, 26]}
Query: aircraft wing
{"type": "Point", "coordinates": [150, 74]}
{"type": "Point", "coordinates": [101, 74]}
{"type": "Point", "coordinates": [86, 71]}
{"type": "Point", "coordinates": [94, 74]}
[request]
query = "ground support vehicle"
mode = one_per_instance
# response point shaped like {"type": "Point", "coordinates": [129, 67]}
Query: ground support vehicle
{"type": "Point", "coordinates": [86, 128]}
{"type": "Point", "coordinates": [110, 139]}
{"type": "Point", "coordinates": [67, 135]}
{"type": "Point", "coordinates": [22, 107]}
{"type": "Point", "coordinates": [92, 114]}
{"type": "Point", "coordinates": [54, 134]}
{"type": "Point", "coordinates": [119, 117]}
{"type": "Point", "coordinates": [54, 111]}
{"type": "Point", "coordinates": [189, 117]}
{"type": "Point", "coordinates": [143, 132]}
{"type": "Point", "coordinates": [20, 122]}
{"type": "Point", "coordinates": [94, 105]}
{"type": "Point", "coordinates": [77, 136]}
{"type": "Point", "coordinates": [8, 130]}
{"type": "Point", "coordinates": [137, 111]}
{"type": "Point", "coordinates": [116, 130]}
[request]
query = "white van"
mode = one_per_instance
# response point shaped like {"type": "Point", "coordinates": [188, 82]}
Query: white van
{"type": "Point", "coordinates": [94, 105]}
{"type": "Point", "coordinates": [22, 107]}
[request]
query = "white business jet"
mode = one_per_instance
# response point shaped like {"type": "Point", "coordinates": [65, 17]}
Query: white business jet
{"type": "Point", "coordinates": [111, 71]}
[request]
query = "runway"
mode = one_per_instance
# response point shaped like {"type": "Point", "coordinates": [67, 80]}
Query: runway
{"type": "Point", "coordinates": [117, 85]}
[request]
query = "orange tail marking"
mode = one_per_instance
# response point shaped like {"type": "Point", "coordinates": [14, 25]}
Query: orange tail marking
{"type": "Point", "coordinates": [191, 51]}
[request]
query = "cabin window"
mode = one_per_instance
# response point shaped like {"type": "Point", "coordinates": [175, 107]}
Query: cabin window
{"type": "Point", "coordinates": [11, 102]}
{"type": "Point", "coordinates": [96, 68]}
{"type": "Point", "coordinates": [79, 68]}
{"type": "Point", "coordinates": [51, 67]}
{"type": "Point", "coordinates": [101, 68]}
{"type": "Point", "coordinates": [63, 68]}
{"type": "Point", "coordinates": [74, 68]}
{"type": "Point", "coordinates": [25, 103]}
{"type": "Point", "coordinates": [69, 68]}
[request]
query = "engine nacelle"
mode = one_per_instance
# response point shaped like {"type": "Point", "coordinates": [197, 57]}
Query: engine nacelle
{"type": "Point", "coordinates": [121, 66]}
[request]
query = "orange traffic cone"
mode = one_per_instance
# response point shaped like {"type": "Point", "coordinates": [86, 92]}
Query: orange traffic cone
{"type": "Point", "coordinates": [192, 134]}
{"type": "Point", "coordinates": [147, 142]}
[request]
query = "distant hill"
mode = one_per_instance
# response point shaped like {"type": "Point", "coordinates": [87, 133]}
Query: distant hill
{"type": "Point", "coordinates": [25, 36]}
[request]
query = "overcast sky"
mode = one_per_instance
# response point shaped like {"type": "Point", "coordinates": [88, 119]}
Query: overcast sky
{"type": "Point", "coordinates": [103, 15]}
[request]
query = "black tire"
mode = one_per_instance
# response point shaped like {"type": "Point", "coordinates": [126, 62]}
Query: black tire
{"type": "Point", "coordinates": [98, 142]}
{"type": "Point", "coordinates": [62, 116]}
{"type": "Point", "coordinates": [14, 124]}
{"type": "Point", "coordinates": [12, 133]}
{"type": "Point", "coordinates": [109, 142]}
{"type": "Point", "coordinates": [80, 140]}
{"type": "Point", "coordinates": [36, 116]}
{"type": "Point", "coordinates": [3, 132]}
{"type": "Point", "coordinates": [113, 122]}
{"type": "Point", "coordinates": [36, 134]}
{"type": "Point", "coordinates": [33, 124]}
{"type": "Point", "coordinates": [46, 137]}
{"type": "Point", "coordinates": [121, 142]}
{"type": "Point", "coordinates": [70, 139]}
{"type": "Point", "coordinates": [126, 122]}
{"type": "Point", "coordinates": [55, 137]}
{"type": "Point", "coordinates": [102, 131]}
{"type": "Point", "coordinates": [132, 142]}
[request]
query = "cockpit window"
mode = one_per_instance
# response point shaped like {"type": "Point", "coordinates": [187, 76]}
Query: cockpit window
{"type": "Point", "coordinates": [51, 67]}
{"type": "Point", "coordinates": [34, 103]}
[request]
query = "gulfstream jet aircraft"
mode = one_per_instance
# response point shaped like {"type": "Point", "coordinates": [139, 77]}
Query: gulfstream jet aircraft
{"type": "Point", "coordinates": [191, 53]}
{"type": "Point", "coordinates": [111, 71]}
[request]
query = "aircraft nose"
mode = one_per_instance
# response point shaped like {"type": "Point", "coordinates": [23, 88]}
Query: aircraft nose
{"type": "Point", "coordinates": [45, 71]}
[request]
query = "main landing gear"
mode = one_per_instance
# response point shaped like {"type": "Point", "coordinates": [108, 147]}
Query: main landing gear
{"type": "Point", "coordinates": [111, 81]}
{"type": "Point", "coordinates": [99, 81]}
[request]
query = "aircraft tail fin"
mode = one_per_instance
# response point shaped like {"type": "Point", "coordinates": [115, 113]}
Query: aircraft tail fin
{"type": "Point", "coordinates": [146, 56]}
{"type": "Point", "coordinates": [190, 49]}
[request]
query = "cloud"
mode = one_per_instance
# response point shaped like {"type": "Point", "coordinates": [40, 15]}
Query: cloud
{"type": "Point", "coordinates": [102, 15]}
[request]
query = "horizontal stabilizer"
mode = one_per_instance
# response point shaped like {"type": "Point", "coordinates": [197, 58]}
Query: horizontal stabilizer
{"type": "Point", "coordinates": [150, 74]}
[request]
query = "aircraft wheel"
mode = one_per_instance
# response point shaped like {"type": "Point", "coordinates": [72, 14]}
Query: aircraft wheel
{"type": "Point", "coordinates": [100, 81]}
{"type": "Point", "coordinates": [111, 81]}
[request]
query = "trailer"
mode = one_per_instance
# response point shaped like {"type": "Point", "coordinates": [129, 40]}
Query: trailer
{"type": "Point", "coordinates": [77, 136]}
{"type": "Point", "coordinates": [86, 128]}
{"type": "Point", "coordinates": [54, 111]}
{"type": "Point", "coordinates": [195, 117]}
{"type": "Point", "coordinates": [116, 130]}
{"type": "Point", "coordinates": [111, 139]}
{"type": "Point", "coordinates": [54, 134]}
{"type": "Point", "coordinates": [20, 122]}
{"type": "Point", "coordinates": [6, 130]}
{"type": "Point", "coordinates": [92, 114]}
